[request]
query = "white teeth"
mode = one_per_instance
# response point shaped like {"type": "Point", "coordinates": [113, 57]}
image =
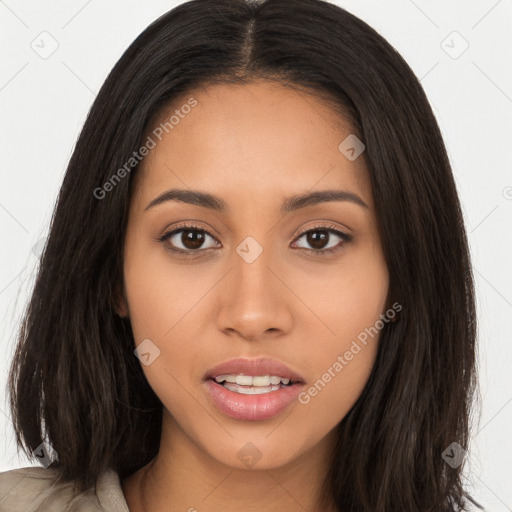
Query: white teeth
{"type": "Point", "coordinates": [262, 381]}
{"type": "Point", "coordinates": [244, 380]}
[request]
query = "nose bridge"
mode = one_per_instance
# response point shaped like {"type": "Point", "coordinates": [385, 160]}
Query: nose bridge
{"type": "Point", "coordinates": [253, 301]}
{"type": "Point", "coordinates": [253, 279]}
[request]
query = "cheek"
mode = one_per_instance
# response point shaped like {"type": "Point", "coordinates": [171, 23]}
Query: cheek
{"type": "Point", "coordinates": [329, 398]}
{"type": "Point", "coordinates": [344, 299]}
{"type": "Point", "coordinates": [340, 366]}
{"type": "Point", "coordinates": [349, 302]}
{"type": "Point", "coordinates": [162, 309]}
{"type": "Point", "coordinates": [166, 305]}
{"type": "Point", "coordinates": [163, 299]}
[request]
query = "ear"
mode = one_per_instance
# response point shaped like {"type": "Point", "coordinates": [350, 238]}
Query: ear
{"type": "Point", "coordinates": [120, 302]}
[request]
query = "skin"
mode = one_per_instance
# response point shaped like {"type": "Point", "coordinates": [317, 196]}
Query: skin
{"type": "Point", "coordinates": [253, 145]}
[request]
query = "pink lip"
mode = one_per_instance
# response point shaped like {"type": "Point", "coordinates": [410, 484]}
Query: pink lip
{"type": "Point", "coordinates": [252, 407]}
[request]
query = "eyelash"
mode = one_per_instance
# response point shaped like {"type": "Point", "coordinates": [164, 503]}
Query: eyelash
{"type": "Point", "coordinates": [317, 252]}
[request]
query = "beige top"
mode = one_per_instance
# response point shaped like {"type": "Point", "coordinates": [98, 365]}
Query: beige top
{"type": "Point", "coordinates": [32, 489]}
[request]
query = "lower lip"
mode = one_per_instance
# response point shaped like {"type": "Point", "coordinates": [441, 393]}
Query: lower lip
{"type": "Point", "coordinates": [252, 407]}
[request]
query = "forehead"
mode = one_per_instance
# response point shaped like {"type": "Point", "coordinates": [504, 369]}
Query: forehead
{"type": "Point", "coordinates": [260, 138]}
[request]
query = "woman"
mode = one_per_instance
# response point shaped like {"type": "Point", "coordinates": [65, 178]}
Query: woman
{"type": "Point", "coordinates": [257, 290]}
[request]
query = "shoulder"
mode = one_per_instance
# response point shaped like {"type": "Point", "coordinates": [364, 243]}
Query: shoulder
{"type": "Point", "coordinates": [36, 489]}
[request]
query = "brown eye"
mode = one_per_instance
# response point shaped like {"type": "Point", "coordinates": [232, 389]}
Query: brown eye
{"type": "Point", "coordinates": [317, 239]}
{"type": "Point", "coordinates": [187, 239]}
{"type": "Point", "coordinates": [323, 240]}
{"type": "Point", "coordinates": [192, 239]}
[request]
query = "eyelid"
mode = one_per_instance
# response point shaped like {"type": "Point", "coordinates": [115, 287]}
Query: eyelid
{"type": "Point", "coordinates": [327, 227]}
{"type": "Point", "coordinates": [192, 225]}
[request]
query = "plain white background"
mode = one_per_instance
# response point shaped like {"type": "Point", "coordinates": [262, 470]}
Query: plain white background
{"type": "Point", "coordinates": [460, 50]}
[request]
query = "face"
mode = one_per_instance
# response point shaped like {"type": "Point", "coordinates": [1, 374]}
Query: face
{"type": "Point", "coordinates": [253, 274]}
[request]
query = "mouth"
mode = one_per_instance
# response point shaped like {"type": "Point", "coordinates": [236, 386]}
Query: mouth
{"type": "Point", "coordinates": [261, 375]}
{"type": "Point", "coordinates": [252, 389]}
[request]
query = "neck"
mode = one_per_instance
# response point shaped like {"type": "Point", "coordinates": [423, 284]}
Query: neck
{"type": "Point", "coordinates": [184, 477]}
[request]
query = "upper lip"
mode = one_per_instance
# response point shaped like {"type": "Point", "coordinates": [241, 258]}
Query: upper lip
{"type": "Point", "coordinates": [254, 367]}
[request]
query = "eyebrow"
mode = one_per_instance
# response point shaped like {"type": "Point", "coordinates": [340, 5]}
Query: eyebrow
{"type": "Point", "coordinates": [290, 204]}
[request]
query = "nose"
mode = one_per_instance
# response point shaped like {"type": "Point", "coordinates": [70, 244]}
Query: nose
{"type": "Point", "coordinates": [255, 302]}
